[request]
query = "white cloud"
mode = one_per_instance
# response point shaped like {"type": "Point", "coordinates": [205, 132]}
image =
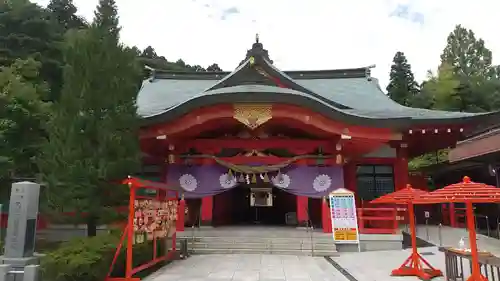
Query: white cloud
{"type": "Point", "coordinates": [313, 34]}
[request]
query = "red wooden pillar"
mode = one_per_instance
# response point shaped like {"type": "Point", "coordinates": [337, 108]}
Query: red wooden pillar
{"type": "Point", "coordinates": [453, 217]}
{"type": "Point", "coordinates": [326, 216]}
{"type": "Point", "coordinates": [302, 210]}
{"type": "Point", "coordinates": [207, 204]}
{"type": "Point", "coordinates": [181, 214]}
{"type": "Point", "coordinates": [401, 167]}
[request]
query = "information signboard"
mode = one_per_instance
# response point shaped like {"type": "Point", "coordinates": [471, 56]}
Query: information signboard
{"type": "Point", "coordinates": [344, 218]}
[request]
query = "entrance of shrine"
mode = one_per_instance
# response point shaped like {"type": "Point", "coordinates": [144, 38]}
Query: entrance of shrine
{"type": "Point", "coordinates": [236, 206]}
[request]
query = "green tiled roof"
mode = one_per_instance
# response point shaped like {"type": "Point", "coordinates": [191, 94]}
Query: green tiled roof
{"type": "Point", "coordinates": [347, 94]}
{"type": "Point", "coordinates": [161, 94]}
{"type": "Point", "coordinates": [362, 96]}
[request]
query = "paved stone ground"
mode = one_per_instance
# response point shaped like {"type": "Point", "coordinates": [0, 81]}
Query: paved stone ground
{"type": "Point", "coordinates": [377, 265]}
{"type": "Point", "coordinates": [248, 267]}
{"type": "Point", "coordinates": [451, 236]}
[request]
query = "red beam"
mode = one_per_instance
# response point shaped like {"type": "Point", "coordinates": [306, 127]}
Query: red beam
{"type": "Point", "coordinates": [264, 160]}
{"type": "Point", "coordinates": [258, 144]}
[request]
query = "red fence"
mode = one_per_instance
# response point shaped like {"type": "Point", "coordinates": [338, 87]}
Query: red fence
{"type": "Point", "coordinates": [378, 220]}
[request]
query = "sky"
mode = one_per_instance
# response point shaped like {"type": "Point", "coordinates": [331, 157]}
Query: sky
{"type": "Point", "coordinates": [306, 34]}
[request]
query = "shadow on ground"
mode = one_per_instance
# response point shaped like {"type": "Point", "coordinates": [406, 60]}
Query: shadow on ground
{"type": "Point", "coordinates": [420, 243]}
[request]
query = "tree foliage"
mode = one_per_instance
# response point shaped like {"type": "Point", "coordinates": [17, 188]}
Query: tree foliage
{"type": "Point", "coordinates": [465, 80]}
{"type": "Point", "coordinates": [22, 113]}
{"type": "Point", "coordinates": [150, 58]}
{"type": "Point", "coordinates": [63, 12]}
{"type": "Point", "coordinates": [468, 60]}
{"type": "Point", "coordinates": [402, 86]}
{"type": "Point", "coordinates": [26, 31]}
{"type": "Point", "coordinates": [94, 127]}
{"type": "Point", "coordinates": [106, 18]}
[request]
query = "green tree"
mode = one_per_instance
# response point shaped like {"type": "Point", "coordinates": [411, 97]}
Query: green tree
{"type": "Point", "coordinates": [441, 89]}
{"type": "Point", "coordinates": [26, 32]}
{"type": "Point", "coordinates": [214, 68]}
{"type": "Point", "coordinates": [93, 141]}
{"type": "Point", "coordinates": [402, 86]}
{"type": "Point", "coordinates": [64, 13]}
{"type": "Point", "coordinates": [149, 53]}
{"type": "Point", "coordinates": [466, 54]}
{"type": "Point", "coordinates": [22, 113]}
{"type": "Point", "coordinates": [106, 18]}
{"type": "Point", "coordinates": [470, 62]}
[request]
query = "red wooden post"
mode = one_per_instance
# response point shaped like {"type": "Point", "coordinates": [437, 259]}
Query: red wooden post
{"type": "Point", "coordinates": [476, 270]}
{"type": "Point", "coordinates": [401, 166]}
{"type": "Point", "coordinates": [130, 231]}
{"type": "Point", "coordinates": [453, 217]}
{"type": "Point", "coordinates": [181, 214]}
{"type": "Point", "coordinates": [302, 208]}
{"type": "Point", "coordinates": [396, 222]}
{"type": "Point", "coordinates": [207, 204]}
{"type": "Point", "coordinates": [326, 218]}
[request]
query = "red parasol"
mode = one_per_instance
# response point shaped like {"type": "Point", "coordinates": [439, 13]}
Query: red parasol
{"type": "Point", "coordinates": [414, 264]}
{"type": "Point", "coordinates": [468, 192]}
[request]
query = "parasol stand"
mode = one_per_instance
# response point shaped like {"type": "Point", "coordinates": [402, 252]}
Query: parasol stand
{"type": "Point", "coordinates": [415, 264]}
{"type": "Point", "coordinates": [467, 192]}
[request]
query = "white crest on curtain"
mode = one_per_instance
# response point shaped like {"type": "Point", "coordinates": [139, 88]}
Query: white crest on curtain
{"type": "Point", "coordinates": [227, 182]}
{"type": "Point", "coordinates": [322, 182]}
{"type": "Point", "coordinates": [281, 180]}
{"type": "Point", "coordinates": [188, 182]}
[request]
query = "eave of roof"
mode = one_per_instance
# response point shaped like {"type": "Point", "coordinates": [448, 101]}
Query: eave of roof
{"type": "Point", "coordinates": [265, 94]}
{"type": "Point", "coordinates": [347, 92]}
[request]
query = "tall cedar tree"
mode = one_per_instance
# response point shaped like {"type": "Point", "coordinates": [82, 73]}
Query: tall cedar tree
{"type": "Point", "coordinates": [470, 62]}
{"type": "Point", "coordinates": [402, 86]}
{"type": "Point", "coordinates": [22, 114]}
{"type": "Point", "coordinates": [93, 132]}
{"type": "Point", "coordinates": [106, 18]}
{"type": "Point", "coordinates": [63, 12]}
{"type": "Point", "coordinates": [27, 32]}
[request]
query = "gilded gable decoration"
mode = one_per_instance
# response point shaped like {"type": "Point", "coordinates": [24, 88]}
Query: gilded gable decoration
{"type": "Point", "coordinates": [253, 115]}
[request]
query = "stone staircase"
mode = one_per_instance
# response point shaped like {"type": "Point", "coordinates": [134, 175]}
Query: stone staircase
{"type": "Point", "coordinates": [259, 240]}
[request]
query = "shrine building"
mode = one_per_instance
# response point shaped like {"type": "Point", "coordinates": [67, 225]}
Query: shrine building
{"type": "Point", "coordinates": [264, 146]}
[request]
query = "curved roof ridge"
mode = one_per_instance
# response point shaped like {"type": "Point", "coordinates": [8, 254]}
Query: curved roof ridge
{"type": "Point", "coordinates": [305, 89]}
{"type": "Point", "coordinates": [236, 70]}
{"type": "Point", "coordinates": [260, 93]}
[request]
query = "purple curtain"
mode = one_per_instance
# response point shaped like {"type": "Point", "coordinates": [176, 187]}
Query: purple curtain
{"type": "Point", "coordinates": [310, 181]}
{"type": "Point", "coordinates": [208, 180]}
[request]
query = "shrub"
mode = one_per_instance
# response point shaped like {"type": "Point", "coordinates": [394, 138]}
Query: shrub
{"type": "Point", "coordinates": [89, 259]}
{"type": "Point", "coordinates": [82, 259]}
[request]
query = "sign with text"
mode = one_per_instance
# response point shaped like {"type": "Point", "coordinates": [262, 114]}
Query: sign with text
{"type": "Point", "coordinates": [344, 218]}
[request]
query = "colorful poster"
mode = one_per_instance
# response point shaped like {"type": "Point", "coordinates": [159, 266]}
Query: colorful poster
{"type": "Point", "coordinates": [344, 218]}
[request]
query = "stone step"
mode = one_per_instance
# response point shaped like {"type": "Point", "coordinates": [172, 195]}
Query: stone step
{"type": "Point", "coordinates": [262, 251]}
{"type": "Point", "coordinates": [262, 239]}
{"type": "Point", "coordinates": [291, 246]}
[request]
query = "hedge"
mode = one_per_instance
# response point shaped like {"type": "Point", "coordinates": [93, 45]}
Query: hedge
{"type": "Point", "coordinates": [88, 259]}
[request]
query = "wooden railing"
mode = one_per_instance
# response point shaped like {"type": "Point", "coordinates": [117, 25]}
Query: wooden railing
{"type": "Point", "coordinates": [378, 220]}
{"type": "Point", "coordinates": [458, 265]}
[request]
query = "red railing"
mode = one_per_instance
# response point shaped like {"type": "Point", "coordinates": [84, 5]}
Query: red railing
{"type": "Point", "coordinates": [378, 220]}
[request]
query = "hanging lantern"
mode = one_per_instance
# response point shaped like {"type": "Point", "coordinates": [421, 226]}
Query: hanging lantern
{"type": "Point", "coordinates": [230, 174]}
{"type": "Point", "coordinates": [247, 179]}
{"type": "Point", "coordinates": [338, 159]}
{"type": "Point", "coordinates": [241, 178]}
{"type": "Point", "coordinates": [261, 176]}
{"type": "Point", "coordinates": [266, 178]}
{"type": "Point", "coordinates": [254, 178]}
